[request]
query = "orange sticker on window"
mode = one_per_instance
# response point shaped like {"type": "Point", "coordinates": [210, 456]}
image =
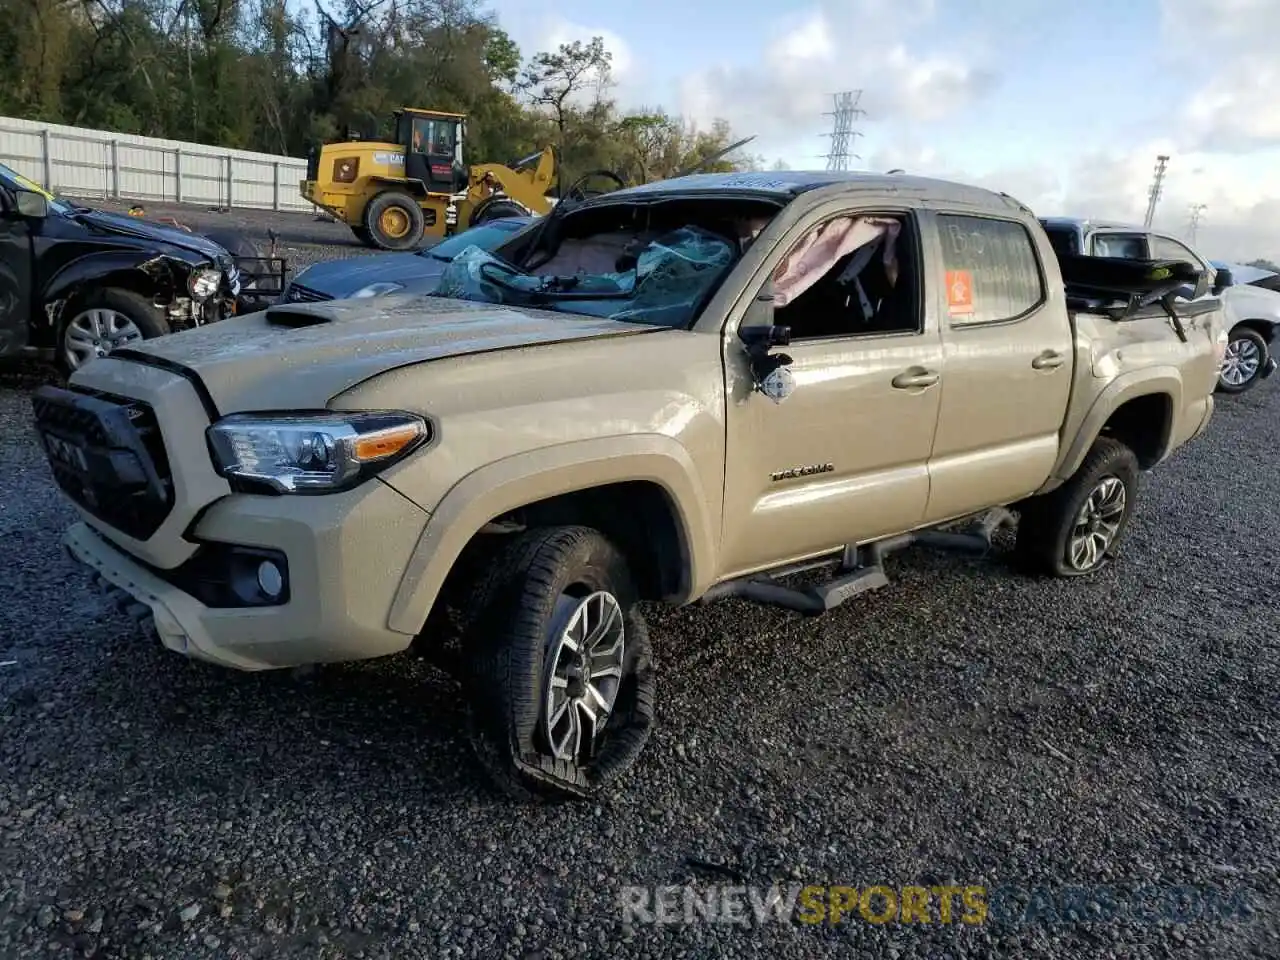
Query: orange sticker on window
{"type": "Point", "coordinates": [959, 291]}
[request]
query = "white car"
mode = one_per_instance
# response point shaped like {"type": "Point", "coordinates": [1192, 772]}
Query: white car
{"type": "Point", "coordinates": [1253, 315]}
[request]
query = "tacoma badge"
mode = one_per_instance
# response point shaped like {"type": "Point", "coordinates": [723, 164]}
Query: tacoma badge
{"type": "Point", "coordinates": [801, 471]}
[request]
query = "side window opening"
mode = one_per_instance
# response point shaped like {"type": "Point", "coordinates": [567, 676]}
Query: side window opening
{"type": "Point", "coordinates": [1162, 248]}
{"type": "Point", "coordinates": [992, 271]}
{"type": "Point", "coordinates": [849, 276]}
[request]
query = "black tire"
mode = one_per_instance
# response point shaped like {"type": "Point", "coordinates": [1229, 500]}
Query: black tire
{"type": "Point", "coordinates": [146, 317]}
{"type": "Point", "coordinates": [363, 235]}
{"type": "Point", "coordinates": [507, 644]}
{"type": "Point", "coordinates": [495, 208]}
{"type": "Point", "coordinates": [1046, 523]}
{"type": "Point", "coordinates": [387, 205]}
{"type": "Point", "coordinates": [1251, 341]}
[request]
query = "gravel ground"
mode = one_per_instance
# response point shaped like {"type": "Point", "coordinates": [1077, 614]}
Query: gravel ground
{"type": "Point", "coordinates": [964, 727]}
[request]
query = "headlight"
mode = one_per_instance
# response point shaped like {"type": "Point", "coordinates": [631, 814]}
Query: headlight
{"type": "Point", "coordinates": [377, 289]}
{"type": "Point", "coordinates": [203, 283]}
{"type": "Point", "coordinates": [311, 453]}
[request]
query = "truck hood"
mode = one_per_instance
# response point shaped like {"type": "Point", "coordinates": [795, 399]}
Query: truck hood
{"type": "Point", "coordinates": [342, 278]}
{"type": "Point", "coordinates": [301, 356]}
{"type": "Point", "coordinates": [124, 226]}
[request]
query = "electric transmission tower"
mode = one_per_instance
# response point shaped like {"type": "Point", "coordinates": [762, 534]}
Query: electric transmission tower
{"type": "Point", "coordinates": [1193, 221]}
{"type": "Point", "coordinates": [1153, 195]}
{"type": "Point", "coordinates": [842, 133]}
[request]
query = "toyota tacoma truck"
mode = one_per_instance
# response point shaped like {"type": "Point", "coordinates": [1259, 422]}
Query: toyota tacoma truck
{"type": "Point", "coordinates": [677, 392]}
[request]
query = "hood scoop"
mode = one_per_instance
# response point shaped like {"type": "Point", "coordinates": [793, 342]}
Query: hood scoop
{"type": "Point", "coordinates": [289, 316]}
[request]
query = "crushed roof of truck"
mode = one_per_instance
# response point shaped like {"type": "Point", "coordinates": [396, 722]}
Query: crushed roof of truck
{"type": "Point", "coordinates": [786, 184]}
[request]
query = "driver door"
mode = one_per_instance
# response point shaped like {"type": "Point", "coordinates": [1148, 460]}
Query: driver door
{"type": "Point", "coordinates": [844, 458]}
{"type": "Point", "coordinates": [430, 157]}
{"type": "Point", "coordinates": [15, 277]}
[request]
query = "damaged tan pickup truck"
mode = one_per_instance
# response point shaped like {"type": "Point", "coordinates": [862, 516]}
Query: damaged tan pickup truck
{"type": "Point", "coordinates": [679, 391]}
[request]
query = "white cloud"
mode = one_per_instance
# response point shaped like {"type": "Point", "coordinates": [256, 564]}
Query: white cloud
{"type": "Point", "coordinates": [788, 85]}
{"type": "Point", "coordinates": [1241, 193]}
{"type": "Point", "coordinates": [1231, 43]}
{"type": "Point", "coordinates": [558, 31]}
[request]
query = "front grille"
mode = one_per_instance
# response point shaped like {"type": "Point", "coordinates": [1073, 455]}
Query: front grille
{"type": "Point", "coordinates": [107, 455]}
{"type": "Point", "coordinates": [300, 294]}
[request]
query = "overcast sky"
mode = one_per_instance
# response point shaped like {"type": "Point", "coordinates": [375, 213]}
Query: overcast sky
{"type": "Point", "coordinates": [1064, 104]}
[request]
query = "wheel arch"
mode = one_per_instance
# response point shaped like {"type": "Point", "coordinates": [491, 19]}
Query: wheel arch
{"type": "Point", "coordinates": [141, 272]}
{"type": "Point", "coordinates": [1139, 409]}
{"type": "Point", "coordinates": [1260, 325]}
{"type": "Point", "coordinates": [643, 490]}
{"type": "Point", "coordinates": [380, 185]}
{"type": "Point", "coordinates": [144, 274]}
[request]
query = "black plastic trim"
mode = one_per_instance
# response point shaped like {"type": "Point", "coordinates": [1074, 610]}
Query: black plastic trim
{"type": "Point", "coordinates": [172, 366]}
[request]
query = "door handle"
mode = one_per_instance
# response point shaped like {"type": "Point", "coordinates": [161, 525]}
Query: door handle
{"type": "Point", "coordinates": [915, 378]}
{"type": "Point", "coordinates": [1049, 360]}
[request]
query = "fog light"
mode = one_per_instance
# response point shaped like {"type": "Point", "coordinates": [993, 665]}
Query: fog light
{"type": "Point", "coordinates": [270, 580]}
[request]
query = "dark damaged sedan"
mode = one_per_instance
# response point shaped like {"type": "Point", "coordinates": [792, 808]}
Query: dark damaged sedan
{"type": "Point", "coordinates": [385, 273]}
{"type": "Point", "coordinates": [77, 283]}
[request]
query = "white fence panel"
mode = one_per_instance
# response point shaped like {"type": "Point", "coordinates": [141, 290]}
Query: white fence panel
{"type": "Point", "coordinates": [99, 163]}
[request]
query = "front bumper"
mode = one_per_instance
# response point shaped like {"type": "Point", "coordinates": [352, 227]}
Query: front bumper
{"type": "Point", "coordinates": [345, 556]}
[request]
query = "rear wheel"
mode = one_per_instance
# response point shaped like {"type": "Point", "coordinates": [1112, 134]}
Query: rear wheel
{"type": "Point", "coordinates": [103, 320]}
{"type": "Point", "coordinates": [394, 220]}
{"type": "Point", "coordinates": [561, 682]}
{"type": "Point", "coordinates": [1243, 362]}
{"type": "Point", "coordinates": [1078, 528]}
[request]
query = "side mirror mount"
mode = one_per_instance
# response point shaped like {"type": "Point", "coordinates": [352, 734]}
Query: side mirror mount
{"type": "Point", "coordinates": [760, 334]}
{"type": "Point", "coordinates": [1221, 280]}
{"type": "Point", "coordinates": [28, 203]}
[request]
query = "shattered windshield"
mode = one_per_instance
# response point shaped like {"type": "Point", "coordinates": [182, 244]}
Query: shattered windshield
{"type": "Point", "coordinates": [655, 273]}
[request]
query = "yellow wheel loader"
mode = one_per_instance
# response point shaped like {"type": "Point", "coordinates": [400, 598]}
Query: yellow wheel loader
{"type": "Point", "coordinates": [393, 194]}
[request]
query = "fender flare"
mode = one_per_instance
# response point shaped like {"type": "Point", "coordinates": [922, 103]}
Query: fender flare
{"type": "Point", "coordinates": [1165, 381]}
{"type": "Point", "coordinates": [525, 478]}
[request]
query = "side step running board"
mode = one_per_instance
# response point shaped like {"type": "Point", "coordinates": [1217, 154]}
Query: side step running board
{"type": "Point", "coordinates": [861, 569]}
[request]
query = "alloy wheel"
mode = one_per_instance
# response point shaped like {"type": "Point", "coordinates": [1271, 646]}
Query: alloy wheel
{"type": "Point", "coordinates": [1097, 524]}
{"type": "Point", "coordinates": [1241, 362]}
{"type": "Point", "coordinates": [586, 650]}
{"type": "Point", "coordinates": [96, 333]}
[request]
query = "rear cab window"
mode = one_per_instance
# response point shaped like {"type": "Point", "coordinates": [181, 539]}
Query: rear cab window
{"type": "Point", "coordinates": [1125, 246]}
{"type": "Point", "coordinates": [992, 273]}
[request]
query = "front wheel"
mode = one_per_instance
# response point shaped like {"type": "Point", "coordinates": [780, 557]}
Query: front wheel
{"type": "Point", "coordinates": [1243, 363]}
{"type": "Point", "coordinates": [1078, 528]}
{"type": "Point", "coordinates": [103, 320]}
{"type": "Point", "coordinates": [562, 683]}
{"type": "Point", "coordinates": [495, 208]}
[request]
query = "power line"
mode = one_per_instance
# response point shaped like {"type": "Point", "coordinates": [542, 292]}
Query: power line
{"type": "Point", "coordinates": [1153, 195]}
{"type": "Point", "coordinates": [1193, 221]}
{"type": "Point", "coordinates": [842, 133]}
